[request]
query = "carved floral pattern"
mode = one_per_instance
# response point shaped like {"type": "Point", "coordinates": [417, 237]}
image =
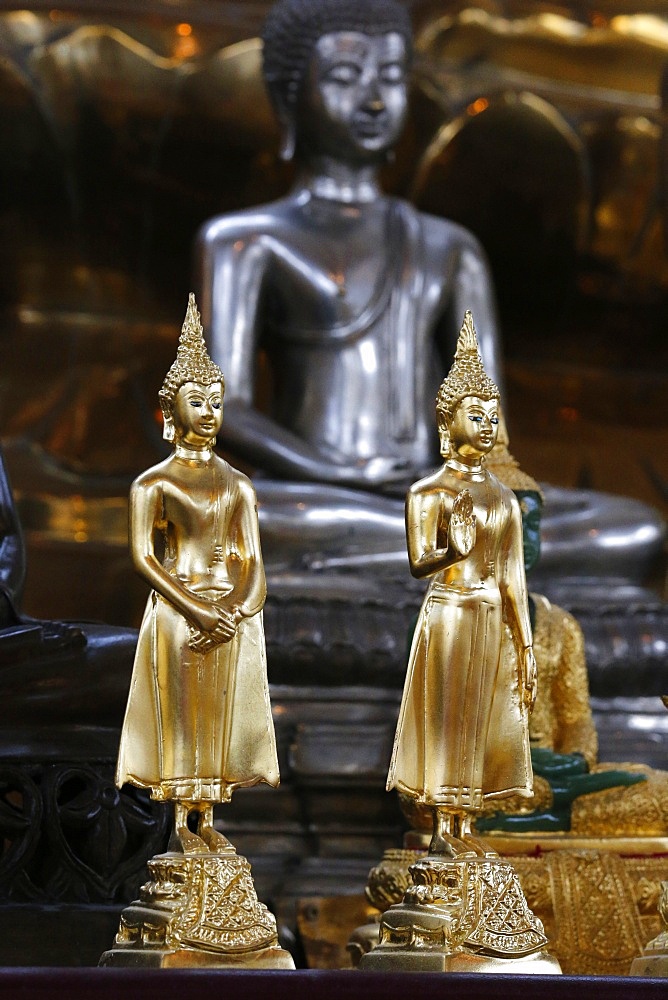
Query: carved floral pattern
{"type": "Point", "coordinates": [69, 835]}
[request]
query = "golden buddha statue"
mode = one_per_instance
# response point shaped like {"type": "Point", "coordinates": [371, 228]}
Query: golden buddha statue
{"type": "Point", "coordinates": [198, 721]}
{"type": "Point", "coordinates": [463, 732]}
{"type": "Point", "coordinates": [589, 844]}
{"type": "Point", "coordinates": [454, 746]}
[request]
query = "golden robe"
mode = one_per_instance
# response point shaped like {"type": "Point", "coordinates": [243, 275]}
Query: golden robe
{"type": "Point", "coordinates": [463, 735]}
{"type": "Point", "coordinates": [211, 749]}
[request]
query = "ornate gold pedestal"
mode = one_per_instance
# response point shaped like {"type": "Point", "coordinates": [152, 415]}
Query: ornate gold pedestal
{"type": "Point", "coordinates": [198, 910]}
{"type": "Point", "coordinates": [654, 960]}
{"type": "Point", "coordinates": [596, 898]}
{"type": "Point", "coordinates": [461, 915]}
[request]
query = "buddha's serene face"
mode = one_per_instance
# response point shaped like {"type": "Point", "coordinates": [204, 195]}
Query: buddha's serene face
{"type": "Point", "coordinates": [198, 412]}
{"type": "Point", "coordinates": [474, 426]}
{"type": "Point", "coordinates": [353, 103]}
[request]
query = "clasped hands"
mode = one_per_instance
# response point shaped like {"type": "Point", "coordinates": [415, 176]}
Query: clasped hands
{"type": "Point", "coordinates": [211, 624]}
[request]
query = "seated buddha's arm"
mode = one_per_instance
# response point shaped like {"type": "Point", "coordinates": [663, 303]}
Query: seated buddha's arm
{"type": "Point", "coordinates": [233, 264]}
{"type": "Point", "coordinates": [471, 287]}
{"type": "Point", "coordinates": [576, 732]}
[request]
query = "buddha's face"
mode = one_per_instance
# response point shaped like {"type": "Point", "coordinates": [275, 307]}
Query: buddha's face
{"type": "Point", "coordinates": [198, 412]}
{"type": "Point", "coordinates": [353, 102]}
{"type": "Point", "coordinates": [474, 427]}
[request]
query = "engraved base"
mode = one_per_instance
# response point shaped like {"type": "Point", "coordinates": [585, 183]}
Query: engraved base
{"type": "Point", "coordinates": [650, 966]}
{"type": "Point", "coordinates": [199, 909]}
{"type": "Point", "coordinates": [654, 960]}
{"type": "Point", "coordinates": [434, 960]}
{"type": "Point", "coordinates": [461, 915]}
{"type": "Point", "coordinates": [188, 958]}
{"type": "Point", "coordinates": [575, 886]}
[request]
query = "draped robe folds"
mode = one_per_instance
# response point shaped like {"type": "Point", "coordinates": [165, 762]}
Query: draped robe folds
{"type": "Point", "coordinates": [463, 735]}
{"type": "Point", "coordinates": [198, 725]}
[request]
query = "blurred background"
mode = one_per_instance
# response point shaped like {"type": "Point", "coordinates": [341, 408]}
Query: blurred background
{"type": "Point", "coordinates": [540, 126]}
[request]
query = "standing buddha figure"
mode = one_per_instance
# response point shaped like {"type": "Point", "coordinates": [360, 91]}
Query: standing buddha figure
{"type": "Point", "coordinates": [198, 721]}
{"type": "Point", "coordinates": [463, 732]}
{"type": "Point", "coordinates": [462, 737]}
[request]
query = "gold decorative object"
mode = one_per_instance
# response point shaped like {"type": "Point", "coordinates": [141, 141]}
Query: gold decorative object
{"type": "Point", "coordinates": [198, 910]}
{"type": "Point", "coordinates": [596, 901]}
{"type": "Point", "coordinates": [198, 721]}
{"type": "Point", "coordinates": [463, 732]}
{"type": "Point", "coordinates": [594, 885]}
{"type": "Point", "coordinates": [654, 959]}
{"type": "Point", "coordinates": [562, 719]}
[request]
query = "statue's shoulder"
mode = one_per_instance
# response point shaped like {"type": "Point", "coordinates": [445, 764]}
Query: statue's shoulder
{"type": "Point", "coordinates": [434, 486]}
{"type": "Point", "coordinates": [441, 237]}
{"type": "Point", "coordinates": [450, 235]}
{"type": "Point", "coordinates": [507, 496]}
{"type": "Point", "coordinates": [154, 477]}
{"type": "Point", "coordinates": [239, 483]}
{"type": "Point", "coordinates": [272, 218]}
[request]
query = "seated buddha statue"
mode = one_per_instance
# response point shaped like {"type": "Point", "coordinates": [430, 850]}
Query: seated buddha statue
{"type": "Point", "coordinates": [353, 299]}
{"type": "Point", "coordinates": [41, 659]}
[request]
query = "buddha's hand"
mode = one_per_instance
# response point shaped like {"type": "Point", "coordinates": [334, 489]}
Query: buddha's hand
{"type": "Point", "coordinates": [529, 678]}
{"type": "Point", "coordinates": [211, 624]}
{"type": "Point", "coordinates": [461, 529]}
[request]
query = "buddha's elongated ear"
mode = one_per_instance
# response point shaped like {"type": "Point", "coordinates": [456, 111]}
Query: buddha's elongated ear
{"type": "Point", "coordinates": [168, 428]}
{"type": "Point", "coordinates": [444, 438]}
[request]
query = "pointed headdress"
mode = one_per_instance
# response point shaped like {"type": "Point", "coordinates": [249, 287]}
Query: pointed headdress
{"type": "Point", "coordinates": [467, 377]}
{"type": "Point", "coordinates": [192, 363]}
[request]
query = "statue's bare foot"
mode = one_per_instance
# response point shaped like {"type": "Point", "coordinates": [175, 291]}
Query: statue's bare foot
{"type": "Point", "coordinates": [216, 841]}
{"type": "Point", "coordinates": [443, 842]}
{"type": "Point", "coordinates": [189, 842]}
{"type": "Point", "coordinates": [481, 849]}
{"type": "Point", "coordinates": [445, 845]}
{"type": "Point", "coordinates": [474, 843]}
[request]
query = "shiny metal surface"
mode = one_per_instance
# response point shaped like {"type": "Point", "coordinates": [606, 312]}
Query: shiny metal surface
{"type": "Point", "coordinates": [584, 534]}
{"type": "Point", "coordinates": [198, 720]}
{"type": "Point", "coordinates": [462, 737]}
{"type": "Point", "coordinates": [125, 128]}
{"type": "Point", "coordinates": [353, 298]}
{"type": "Point", "coordinates": [463, 731]}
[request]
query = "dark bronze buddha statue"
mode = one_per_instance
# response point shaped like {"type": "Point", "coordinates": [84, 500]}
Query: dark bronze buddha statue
{"type": "Point", "coordinates": [54, 672]}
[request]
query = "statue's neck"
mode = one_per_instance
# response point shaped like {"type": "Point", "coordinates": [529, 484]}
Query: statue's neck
{"type": "Point", "coordinates": [193, 453]}
{"type": "Point", "coordinates": [332, 180]}
{"type": "Point", "coordinates": [471, 466]}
